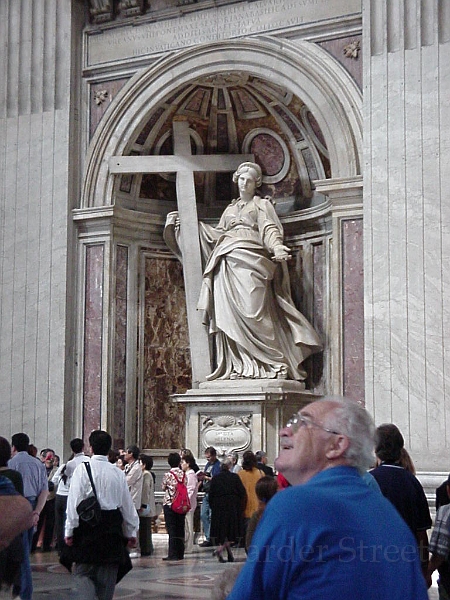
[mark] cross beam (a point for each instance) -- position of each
(171, 164)
(184, 164)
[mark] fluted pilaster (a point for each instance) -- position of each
(407, 218)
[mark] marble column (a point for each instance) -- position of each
(38, 174)
(406, 223)
(107, 331)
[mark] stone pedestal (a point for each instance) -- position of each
(240, 414)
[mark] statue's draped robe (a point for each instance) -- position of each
(246, 297)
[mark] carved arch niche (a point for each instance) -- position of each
(297, 110)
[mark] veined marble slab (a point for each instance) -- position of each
(210, 25)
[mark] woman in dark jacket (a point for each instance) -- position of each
(227, 497)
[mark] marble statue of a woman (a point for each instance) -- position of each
(245, 295)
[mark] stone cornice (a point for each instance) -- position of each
(105, 219)
(343, 192)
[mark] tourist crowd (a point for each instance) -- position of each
(343, 515)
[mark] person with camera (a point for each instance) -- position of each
(98, 549)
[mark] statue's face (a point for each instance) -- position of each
(247, 182)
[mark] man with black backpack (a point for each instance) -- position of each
(99, 552)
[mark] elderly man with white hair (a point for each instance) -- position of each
(330, 535)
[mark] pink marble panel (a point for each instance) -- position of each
(353, 308)
(145, 132)
(120, 346)
(102, 94)
(317, 317)
(166, 354)
(223, 141)
(93, 326)
(194, 103)
(339, 48)
(221, 104)
(307, 284)
(268, 153)
(248, 103)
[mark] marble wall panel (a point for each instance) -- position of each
(36, 296)
(35, 55)
(353, 308)
(176, 29)
(120, 346)
(93, 324)
(101, 96)
(318, 314)
(307, 284)
(348, 51)
(406, 219)
(166, 355)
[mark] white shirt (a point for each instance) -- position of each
(148, 495)
(62, 488)
(133, 474)
(73, 463)
(112, 492)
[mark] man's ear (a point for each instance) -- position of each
(337, 447)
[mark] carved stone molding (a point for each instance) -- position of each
(226, 432)
(100, 96)
(352, 50)
(104, 11)
(101, 11)
(131, 8)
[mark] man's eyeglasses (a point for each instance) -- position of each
(297, 421)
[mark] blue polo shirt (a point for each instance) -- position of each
(33, 471)
(332, 537)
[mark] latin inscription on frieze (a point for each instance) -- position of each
(226, 22)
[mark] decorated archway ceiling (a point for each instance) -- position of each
(233, 113)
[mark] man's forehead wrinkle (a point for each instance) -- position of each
(313, 411)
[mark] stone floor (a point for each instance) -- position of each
(151, 578)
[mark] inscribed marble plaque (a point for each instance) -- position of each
(210, 25)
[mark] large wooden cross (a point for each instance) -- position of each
(184, 164)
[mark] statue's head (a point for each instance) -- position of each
(252, 169)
